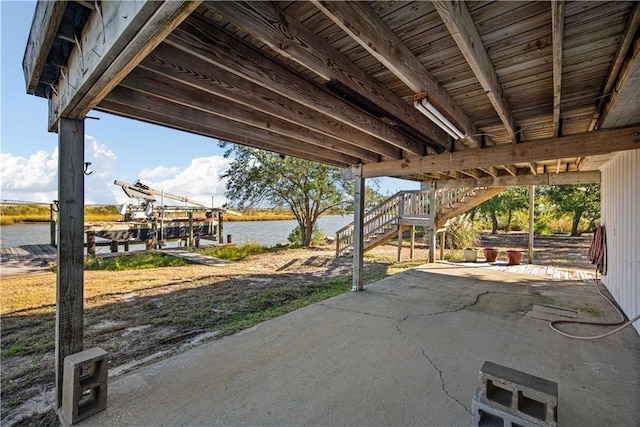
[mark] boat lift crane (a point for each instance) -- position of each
(139, 190)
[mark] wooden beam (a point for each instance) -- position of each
(533, 166)
(528, 179)
(470, 172)
(46, 20)
(156, 85)
(270, 24)
(490, 170)
(358, 231)
(70, 268)
(513, 171)
(122, 101)
(202, 75)
(364, 26)
(621, 53)
(585, 144)
(117, 36)
(623, 106)
(458, 20)
(210, 43)
(557, 28)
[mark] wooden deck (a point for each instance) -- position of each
(27, 259)
(37, 259)
(549, 272)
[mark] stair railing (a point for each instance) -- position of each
(383, 216)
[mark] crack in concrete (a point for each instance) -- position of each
(357, 311)
(424, 352)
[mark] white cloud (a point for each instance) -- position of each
(158, 172)
(31, 179)
(35, 178)
(199, 181)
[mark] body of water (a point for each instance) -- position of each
(268, 233)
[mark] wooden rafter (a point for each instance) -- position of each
(164, 88)
(44, 27)
(512, 170)
(627, 39)
(166, 113)
(557, 25)
(200, 39)
(267, 22)
(589, 143)
(363, 25)
(212, 80)
(527, 179)
(460, 24)
(99, 63)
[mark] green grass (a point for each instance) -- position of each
(133, 262)
(235, 253)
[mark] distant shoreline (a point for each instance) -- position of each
(34, 214)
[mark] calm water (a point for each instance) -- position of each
(264, 232)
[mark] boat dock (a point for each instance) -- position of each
(27, 259)
(38, 259)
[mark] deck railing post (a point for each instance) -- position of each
(70, 277)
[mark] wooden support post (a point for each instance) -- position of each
(70, 275)
(220, 233)
(91, 243)
(358, 237)
(432, 223)
(52, 224)
(190, 239)
(532, 198)
(413, 242)
(400, 230)
(443, 236)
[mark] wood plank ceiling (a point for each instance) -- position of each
(335, 81)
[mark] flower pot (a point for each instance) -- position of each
(490, 254)
(514, 257)
(470, 254)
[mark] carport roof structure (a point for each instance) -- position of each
(533, 89)
(457, 94)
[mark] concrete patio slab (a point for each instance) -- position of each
(407, 351)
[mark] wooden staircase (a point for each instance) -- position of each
(407, 209)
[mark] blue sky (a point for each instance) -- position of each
(118, 148)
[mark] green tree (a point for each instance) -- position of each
(578, 200)
(308, 189)
(508, 202)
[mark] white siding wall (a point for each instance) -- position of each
(621, 217)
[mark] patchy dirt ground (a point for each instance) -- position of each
(140, 316)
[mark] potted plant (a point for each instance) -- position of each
(490, 254)
(514, 256)
(470, 254)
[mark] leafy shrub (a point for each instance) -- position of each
(460, 234)
(295, 237)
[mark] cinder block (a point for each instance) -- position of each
(487, 415)
(524, 396)
(84, 385)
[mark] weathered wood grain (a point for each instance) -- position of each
(585, 144)
(285, 35)
(223, 50)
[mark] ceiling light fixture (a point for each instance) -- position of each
(432, 113)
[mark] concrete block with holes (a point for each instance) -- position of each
(512, 398)
(84, 385)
